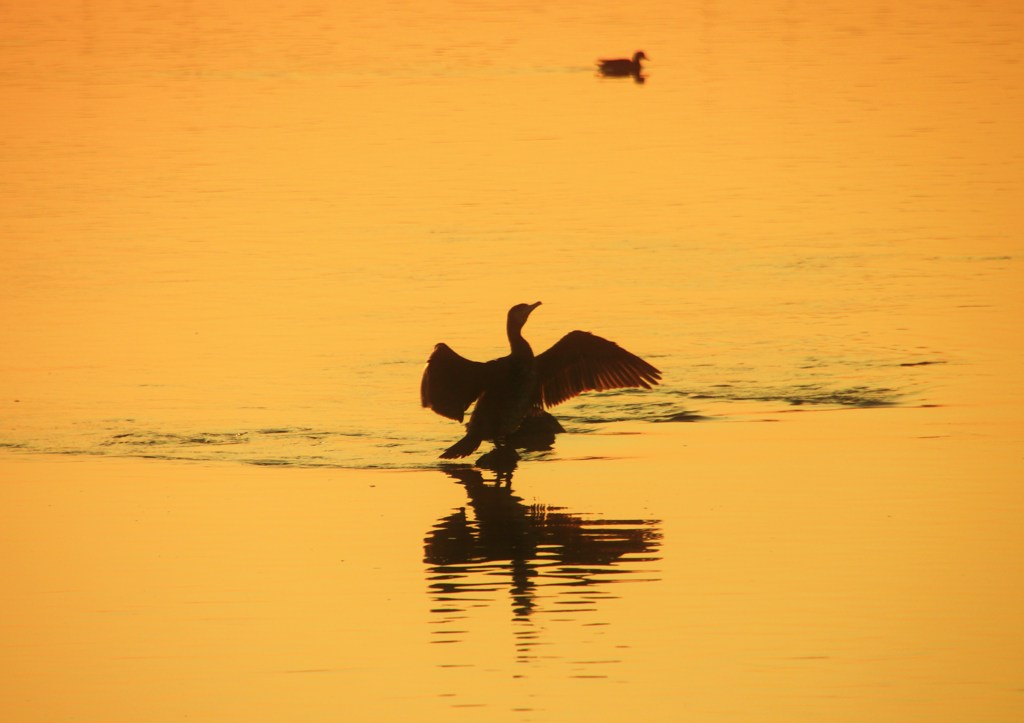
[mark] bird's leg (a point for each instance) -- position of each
(502, 458)
(505, 450)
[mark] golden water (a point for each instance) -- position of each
(232, 234)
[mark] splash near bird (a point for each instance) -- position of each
(518, 387)
(621, 67)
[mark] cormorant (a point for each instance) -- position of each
(621, 67)
(519, 386)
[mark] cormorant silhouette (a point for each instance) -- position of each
(517, 387)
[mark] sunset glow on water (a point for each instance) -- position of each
(232, 235)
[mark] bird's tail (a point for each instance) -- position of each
(465, 446)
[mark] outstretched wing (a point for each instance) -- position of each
(582, 362)
(451, 382)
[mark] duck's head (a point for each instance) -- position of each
(638, 56)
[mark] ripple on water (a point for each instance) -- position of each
(406, 441)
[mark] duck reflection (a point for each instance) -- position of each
(549, 560)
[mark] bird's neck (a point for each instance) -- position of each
(520, 347)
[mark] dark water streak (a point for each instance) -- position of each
(417, 438)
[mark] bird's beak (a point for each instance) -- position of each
(534, 305)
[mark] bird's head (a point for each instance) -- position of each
(638, 56)
(519, 313)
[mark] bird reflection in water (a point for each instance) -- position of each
(548, 559)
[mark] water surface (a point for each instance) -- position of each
(237, 236)
(234, 237)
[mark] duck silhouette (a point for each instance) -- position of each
(622, 67)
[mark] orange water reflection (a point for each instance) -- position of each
(232, 233)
